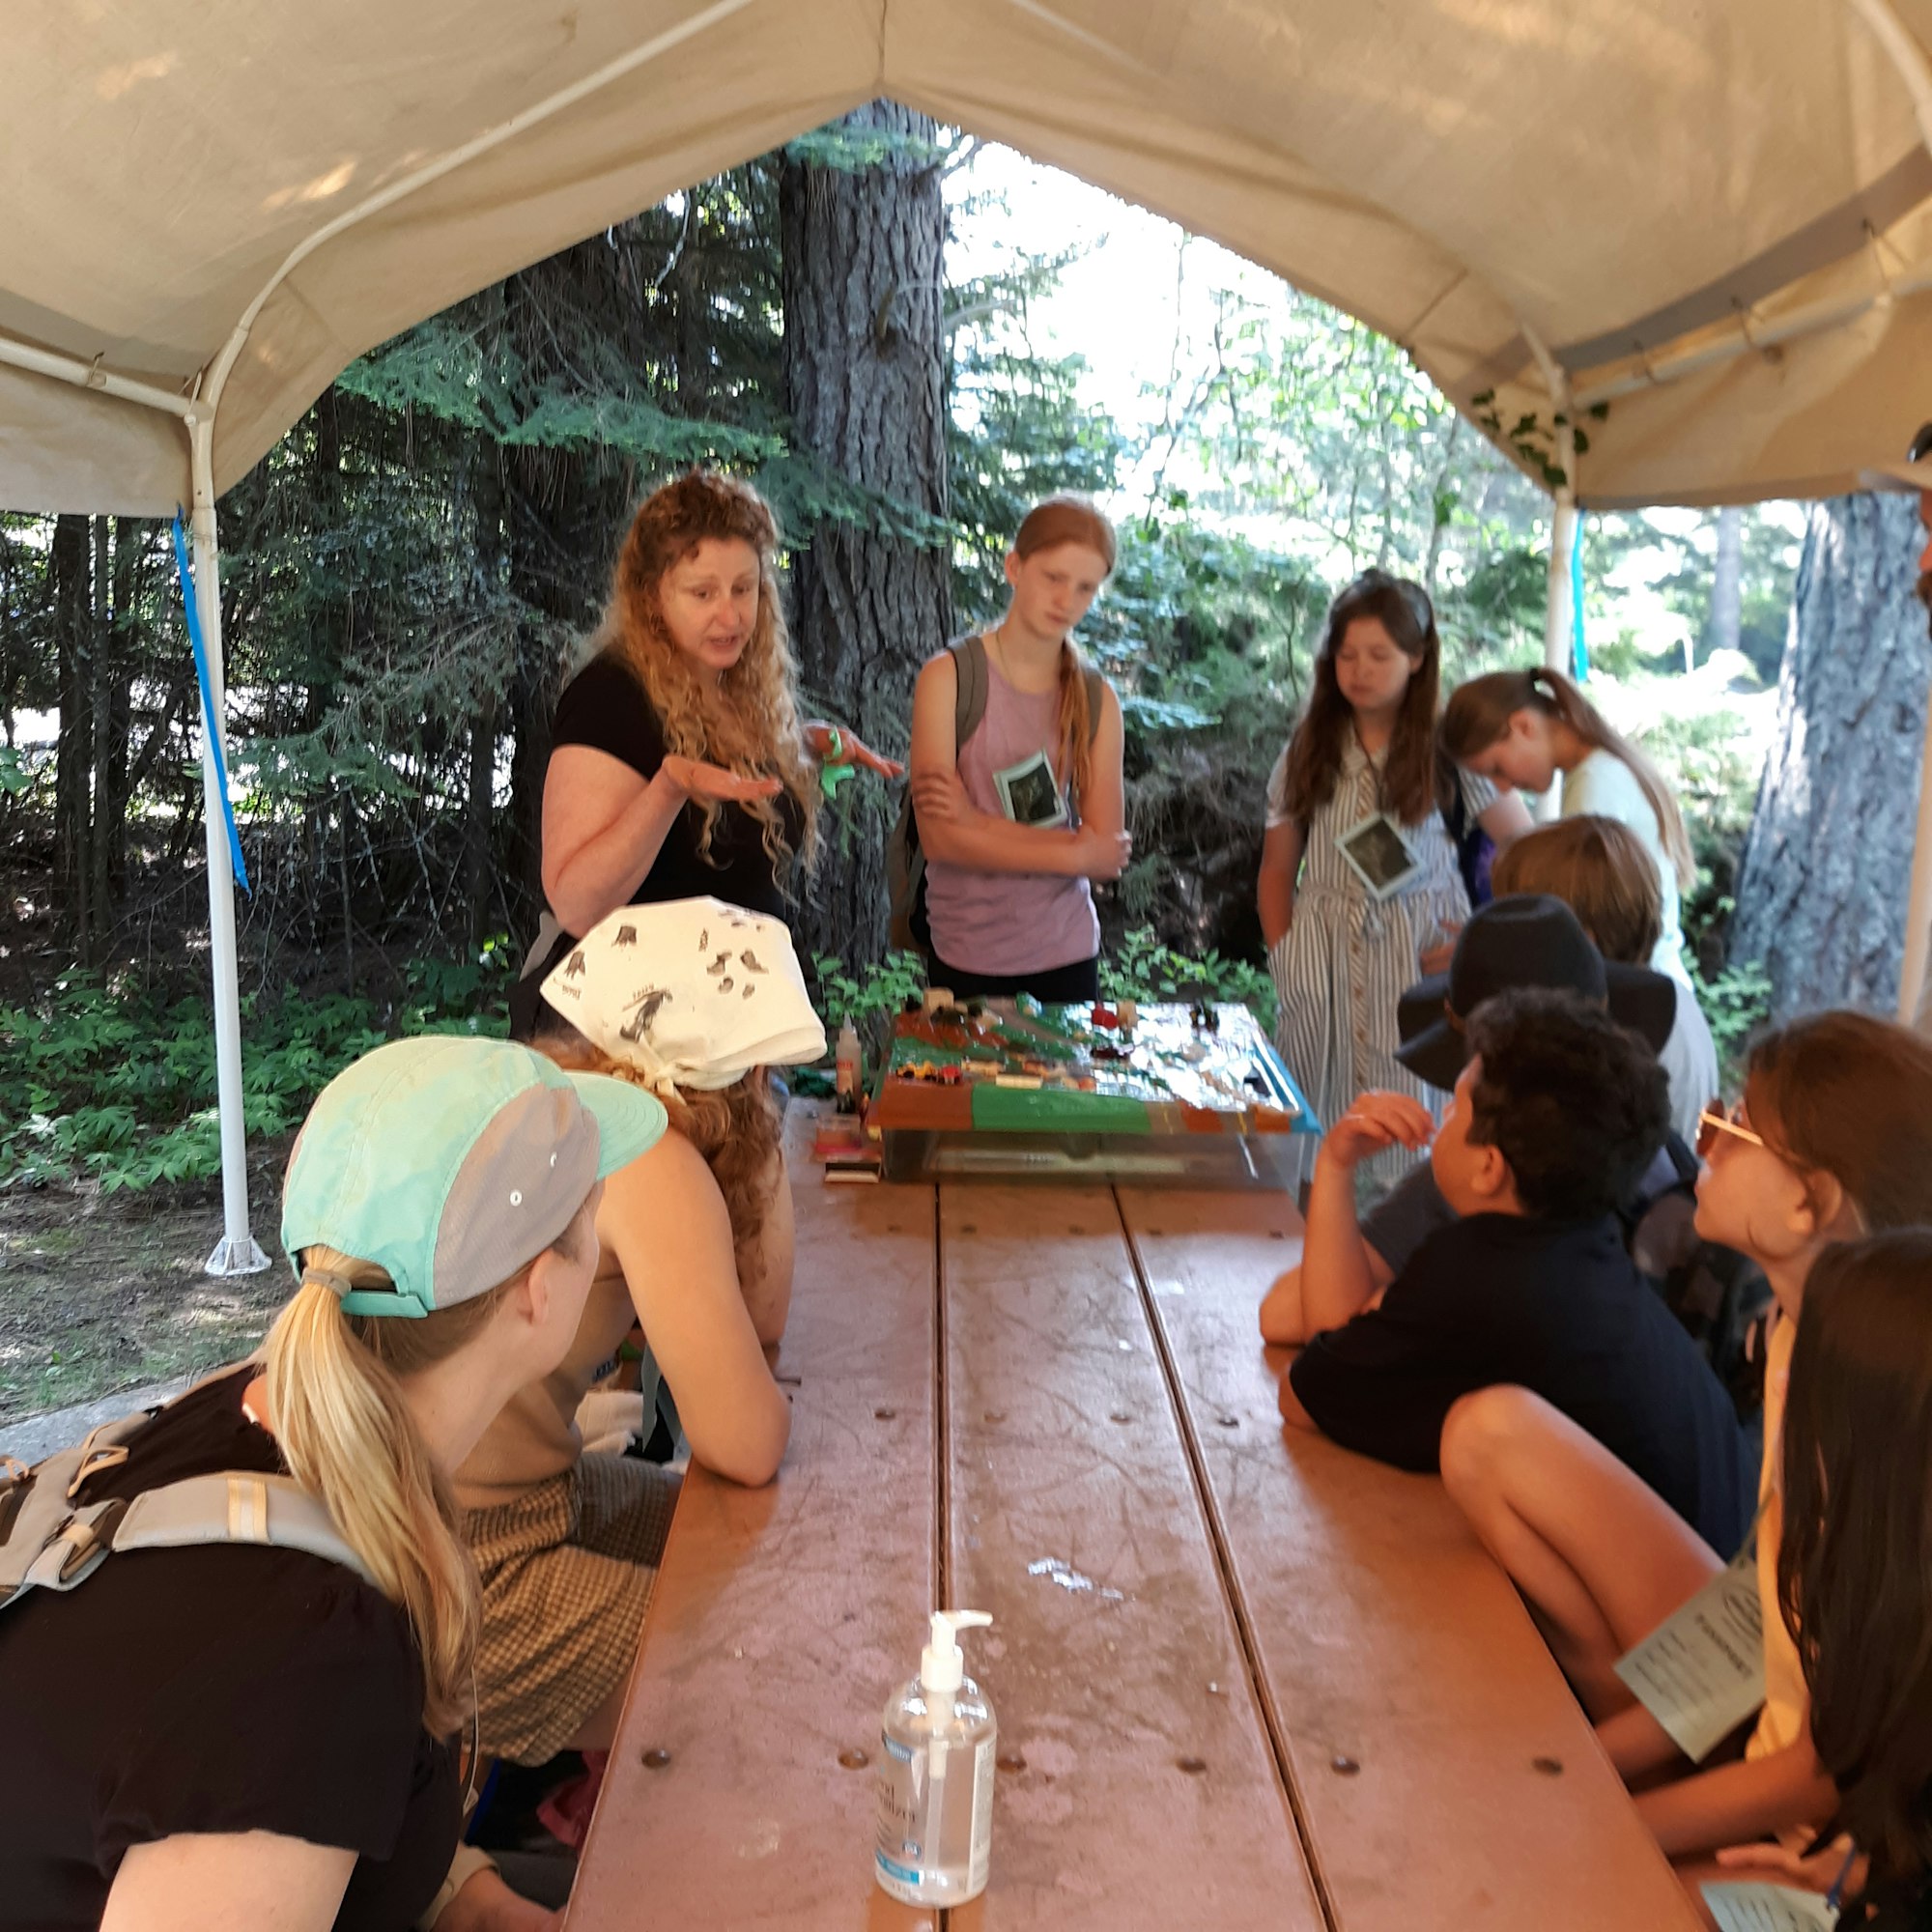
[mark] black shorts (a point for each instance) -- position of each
(1054, 986)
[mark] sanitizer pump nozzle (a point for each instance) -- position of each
(941, 1666)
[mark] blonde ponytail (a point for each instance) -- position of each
(347, 1434)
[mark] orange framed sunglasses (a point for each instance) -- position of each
(1717, 1118)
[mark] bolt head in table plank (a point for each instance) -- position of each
(1140, 1788)
(1389, 1641)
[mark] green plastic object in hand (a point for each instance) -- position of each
(833, 769)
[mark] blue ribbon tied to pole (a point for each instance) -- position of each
(209, 722)
(1579, 646)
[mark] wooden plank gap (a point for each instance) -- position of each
(1231, 1582)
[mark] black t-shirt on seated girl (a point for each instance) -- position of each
(605, 707)
(218, 1689)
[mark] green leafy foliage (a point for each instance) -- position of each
(115, 1085)
(1143, 969)
(1737, 1003)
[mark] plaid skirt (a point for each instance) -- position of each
(567, 1573)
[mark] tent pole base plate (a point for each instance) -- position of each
(236, 1257)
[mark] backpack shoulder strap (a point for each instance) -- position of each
(969, 664)
(1097, 702)
(50, 1540)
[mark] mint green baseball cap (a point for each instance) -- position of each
(451, 1162)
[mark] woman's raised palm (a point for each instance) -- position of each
(713, 785)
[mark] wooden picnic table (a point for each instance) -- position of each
(1243, 1679)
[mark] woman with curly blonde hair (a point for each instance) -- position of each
(680, 767)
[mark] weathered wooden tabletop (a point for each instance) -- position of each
(1243, 1679)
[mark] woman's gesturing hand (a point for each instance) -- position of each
(713, 785)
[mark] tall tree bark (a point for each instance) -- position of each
(100, 739)
(864, 382)
(121, 700)
(72, 761)
(1821, 891)
(1725, 622)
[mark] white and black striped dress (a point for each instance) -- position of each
(1346, 959)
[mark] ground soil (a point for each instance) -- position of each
(105, 1291)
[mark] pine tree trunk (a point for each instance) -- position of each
(72, 762)
(1821, 892)
(121, 703)
(1726, 619)
(864, 369)
(100, 737)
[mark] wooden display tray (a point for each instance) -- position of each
(1196, 1095)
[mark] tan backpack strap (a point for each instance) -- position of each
(48, 1543)
(236, 1508)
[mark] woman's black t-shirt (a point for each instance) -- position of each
(218, 1689)
(605, 707)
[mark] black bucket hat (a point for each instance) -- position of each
(1528, 939)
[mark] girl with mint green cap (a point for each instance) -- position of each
(248, 1732)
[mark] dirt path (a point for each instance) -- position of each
(106, 1291)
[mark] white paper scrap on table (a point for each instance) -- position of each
(1769, 1908)
(1700, 1673)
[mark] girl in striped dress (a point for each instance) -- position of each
(1360, 891)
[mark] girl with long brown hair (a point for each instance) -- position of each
(276, 1745)
(1525, 728)
(1831, 1141)
(680, 764)
(1359, 890)
(1855, 1569)
(1017, 819)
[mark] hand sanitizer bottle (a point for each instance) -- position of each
(936, 1777)
(845, 1070)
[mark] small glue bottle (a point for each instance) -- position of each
(845, 1069)
(936, 1777)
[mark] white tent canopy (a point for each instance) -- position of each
(1717, 220)
(1719, 217)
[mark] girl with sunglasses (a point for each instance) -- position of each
(1831, 1141)
(1359, 891)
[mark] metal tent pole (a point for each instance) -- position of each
(236, 1252)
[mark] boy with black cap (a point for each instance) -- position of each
(1525, 940)
(1556, 1113)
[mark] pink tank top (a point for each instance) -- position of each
(1011, 922)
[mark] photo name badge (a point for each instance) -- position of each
(1767, 1908)
(1029, 793)
(1700, 1673)
(1379, 855)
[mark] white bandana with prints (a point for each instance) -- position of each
(692, 993)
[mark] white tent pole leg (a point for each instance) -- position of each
(1914, 989)
(236, 1252)
(1559, 616)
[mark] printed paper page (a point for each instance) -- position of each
(1700, 1674)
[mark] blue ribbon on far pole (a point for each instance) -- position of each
(1580, 648)
(209, 722)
